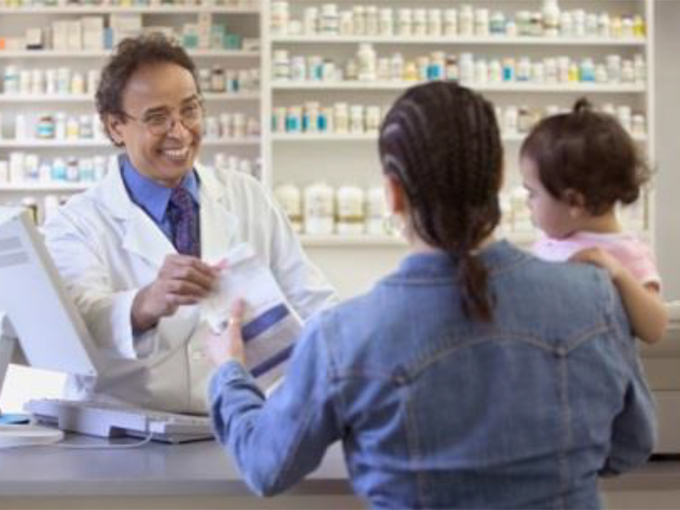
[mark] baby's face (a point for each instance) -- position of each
(549, 214)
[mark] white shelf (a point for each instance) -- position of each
(73, 54)
(366, 240)
(42, 186)
(367, 137)
(33, 144)
(86, 98)
(336, 240)
(323, 137)
(501, 87)
(92, 9)
(491, 40)
(232, 142)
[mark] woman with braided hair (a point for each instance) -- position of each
(475, 375)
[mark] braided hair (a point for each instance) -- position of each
(441, 142)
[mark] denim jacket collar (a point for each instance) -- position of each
(497, 257)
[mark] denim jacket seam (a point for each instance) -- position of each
(337, 398)
(412, 440)
(585, 336)
(567, 436)
(295, 447)
(525, 338)
(305, 419)
(364, 374)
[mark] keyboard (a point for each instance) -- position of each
(112, 420)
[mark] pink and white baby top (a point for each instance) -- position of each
(627, 249)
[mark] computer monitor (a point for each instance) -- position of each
(38, 321)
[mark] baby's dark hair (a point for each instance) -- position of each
(588, 152)
(442, 143)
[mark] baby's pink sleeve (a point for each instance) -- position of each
(643, 267)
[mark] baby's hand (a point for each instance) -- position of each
(600, 258)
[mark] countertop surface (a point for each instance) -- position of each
(200, 468)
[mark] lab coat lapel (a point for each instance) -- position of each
(219, 227)
(140, 235)
(145, 239)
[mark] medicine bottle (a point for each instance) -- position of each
(450, 22)
(435, 27)
(405, 23)
(11, 80)
(45, 127)
(375, 211)
(357, 123)
(341, 118)
(218, 82)
(289, 197)
(466, 21)
(551, 18)
(373, 119)
(280, 16)
(350, 212)
(318, 209)
(372, 20)
(329, 23)
(366, 57)
(386, 23)
(419, 22)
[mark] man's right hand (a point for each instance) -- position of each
(182, 280)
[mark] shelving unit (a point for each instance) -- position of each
(98, 54)
(359, 165)
(103, 143)
(338, 159)
(243, 19)
(302, 158)
(373, 138)
(110, 9)
(580, 88)
(477, 41)
(87, 98)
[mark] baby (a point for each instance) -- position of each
(576, 168)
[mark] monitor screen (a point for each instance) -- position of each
(35, 303)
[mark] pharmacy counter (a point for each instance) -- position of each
(200, 475)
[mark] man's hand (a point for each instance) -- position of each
(182, 280)
(228, 345)
(601, 258)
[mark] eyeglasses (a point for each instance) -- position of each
(161, 123)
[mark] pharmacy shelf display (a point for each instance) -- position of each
(296, 90)
(51, 141)
(337, 67)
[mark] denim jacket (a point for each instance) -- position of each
(437, 411)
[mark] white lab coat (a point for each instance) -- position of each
(107, 248)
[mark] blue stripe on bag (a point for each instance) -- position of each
(264, 322)
(266, 366)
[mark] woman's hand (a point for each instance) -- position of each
(228, 345)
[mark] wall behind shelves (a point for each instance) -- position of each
(667, 178)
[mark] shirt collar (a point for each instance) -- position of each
(150, 195)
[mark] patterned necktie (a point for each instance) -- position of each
(184, 221)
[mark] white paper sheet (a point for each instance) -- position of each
(270, 325)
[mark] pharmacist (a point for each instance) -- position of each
(131, 249)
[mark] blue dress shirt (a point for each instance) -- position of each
(154, 198)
